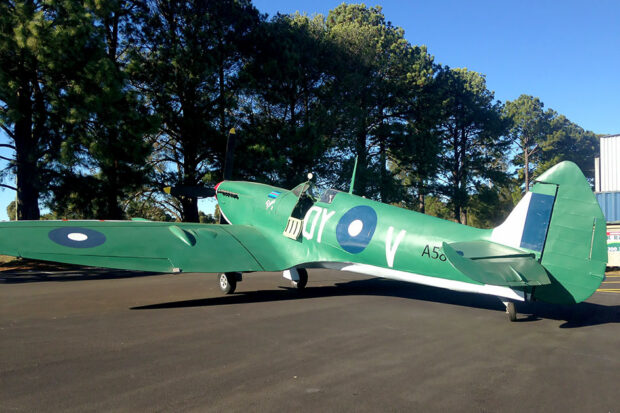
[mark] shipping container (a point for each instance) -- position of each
(610, 204)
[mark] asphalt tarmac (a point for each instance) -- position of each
(93, 340)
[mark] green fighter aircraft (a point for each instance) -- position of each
(552, 247)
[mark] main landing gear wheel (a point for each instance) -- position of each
(303, 279)
(511, 311)
(228, 282)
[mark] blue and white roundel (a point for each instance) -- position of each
(356, 228)
(76, 237)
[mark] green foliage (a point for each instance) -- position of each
(47, 51)
(435, 207)
(147, 209)
(490, 206)
(287, 124)
(530, 125)
(107, 101)
(206, 218)
(380, 79)
(543, 138)
(67, 108)
(472, 143)
(186, 63)
(568, 141)
(10, 211)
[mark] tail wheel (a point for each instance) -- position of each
(228, 282)
(303, 279)
(511, 310)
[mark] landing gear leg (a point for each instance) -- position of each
(227, 281)
(511, 310)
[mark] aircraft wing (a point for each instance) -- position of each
(142, 245)
(496, 264)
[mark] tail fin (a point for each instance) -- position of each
(562, 223)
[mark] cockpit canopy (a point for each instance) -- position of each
(316, 193)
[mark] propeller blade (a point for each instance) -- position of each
(190, 191)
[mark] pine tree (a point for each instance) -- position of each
(45, 49)
(186, 65)
(473, 146)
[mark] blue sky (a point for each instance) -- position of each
(567, 53)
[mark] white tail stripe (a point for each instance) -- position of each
(510, 231)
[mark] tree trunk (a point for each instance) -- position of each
(190, 209)
(229, 159)
(456, 179)
(111, 209)
(230, 140)
(461, 181)
(526, 159)
(383, 161)
(190, 166)
(27, 194)
(362, 164)
(457, 212)
(26, 158)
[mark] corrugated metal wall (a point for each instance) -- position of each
(610, 164)
(610, 204)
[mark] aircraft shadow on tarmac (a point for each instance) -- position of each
(77, 274)
(578, 315)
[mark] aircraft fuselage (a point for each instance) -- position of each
(352, 233)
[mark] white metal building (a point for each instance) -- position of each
(607, 187)
(607, 166)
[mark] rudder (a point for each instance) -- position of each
(561, 221)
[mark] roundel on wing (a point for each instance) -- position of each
(76, 237)
(356, 228)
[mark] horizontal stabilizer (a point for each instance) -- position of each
(496, 264)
